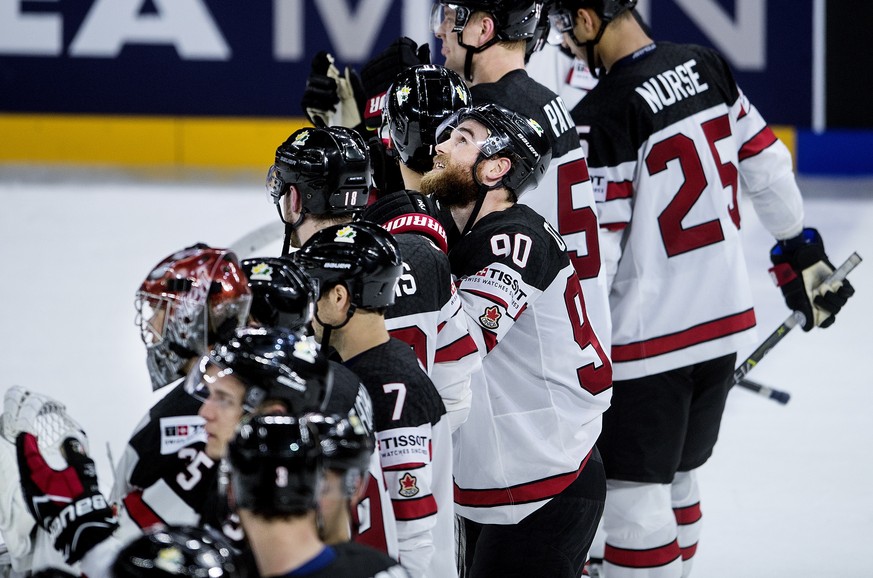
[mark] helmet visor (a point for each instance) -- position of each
(447, 17)
(560, 22)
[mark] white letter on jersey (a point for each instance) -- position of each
(185, 24)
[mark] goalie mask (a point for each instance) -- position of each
(276, 465)
(188, 301)
(283, 295)
(167, 552)
(420, 98)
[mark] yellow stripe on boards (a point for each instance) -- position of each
(137, 141)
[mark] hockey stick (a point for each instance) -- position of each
(796, 318)
(257, 239)
(774, 394)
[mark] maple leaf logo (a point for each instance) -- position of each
(407, 485)
(490, 319)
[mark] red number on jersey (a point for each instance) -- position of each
(678, 239)
(594, 377)
(415, 338)
(572, 220)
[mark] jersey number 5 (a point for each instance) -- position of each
(678, 239)
(582, 220)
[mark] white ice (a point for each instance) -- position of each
(788, 492)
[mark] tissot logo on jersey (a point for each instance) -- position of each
(405, 445)
(501, 285)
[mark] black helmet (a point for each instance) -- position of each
(605, 9)
(276, 465)
(513, 19)
(273, 364)
(165, 552)
(345, 442)
(362, 256)
(330, 166)
(283, 295)
(420, 98)
(520, 138)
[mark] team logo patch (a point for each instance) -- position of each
(536, 126)
(261, 272)
(461, 94)
(403, 94)
(300, 139)
(407, 485)
(170, 560)
(305, 350)
(490, 318)
(345, 235)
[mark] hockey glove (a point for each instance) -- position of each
(800, 265)
(378, 74)
(66, 503)
(320, 95)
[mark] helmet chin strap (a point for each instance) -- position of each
(589, 47)
(471, 51)
(328, 328)
(483, 191)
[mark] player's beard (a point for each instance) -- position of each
(452, 186)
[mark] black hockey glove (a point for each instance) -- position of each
(67, 503)
(799, 267)
(320, 96)
(378, 74)
(385, 167)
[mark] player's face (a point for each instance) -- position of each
(222, 410)
(443, 20)
(451, 180)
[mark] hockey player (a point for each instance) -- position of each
(312, 195)
(358, 267)
(672, 142)
(486, 42)
(276, 464)
(528, 478)
(427, 313)
(186, 303)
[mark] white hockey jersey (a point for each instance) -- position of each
(671, 144)
(564, 197)
(546, 381)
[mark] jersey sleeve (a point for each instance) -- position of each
(406, 460)
(498, 293)
(767, 172)
(455, 361)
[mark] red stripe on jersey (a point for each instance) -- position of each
(405, 510)
(693, 336)
(622, 190)
(406, 466)
(743, 112)
(521, 494)
(440, 326)
(140, 512)
(614, 226)
(520, 311)
(374, 534)
(457, 349)
(688, 514)
(490, 340)
(489, 297)
(757, 143)
(651, 558)
(689, 551)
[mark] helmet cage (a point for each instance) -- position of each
(187, 301)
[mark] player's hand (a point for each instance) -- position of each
(800, 266)
(66, 503)
(378, 74)
(320, 97)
